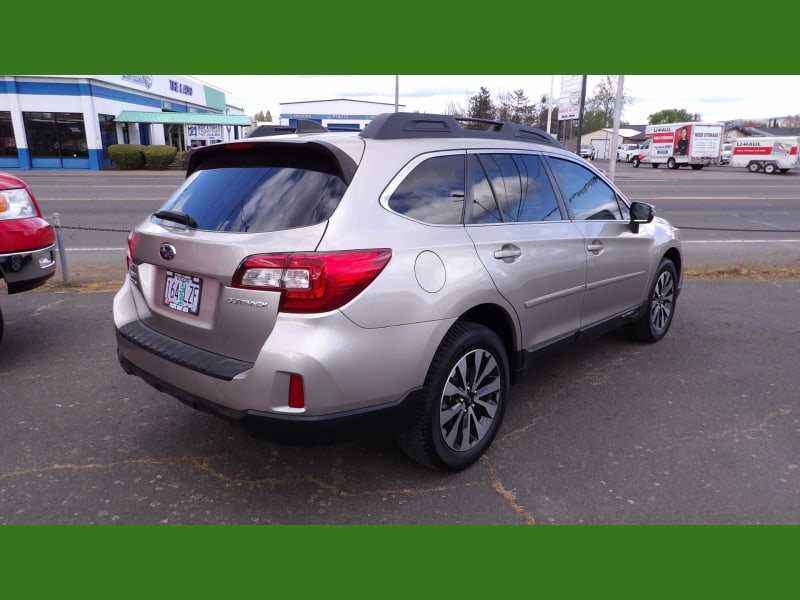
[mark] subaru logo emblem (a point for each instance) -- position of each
(167, 251)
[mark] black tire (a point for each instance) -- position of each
(455, 422)
(671, 164)
(753, 167)
(770, 168)
(697, 167)
(636, 162)
(656, 317)
(1, 325)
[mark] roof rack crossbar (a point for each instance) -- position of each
(405, 125)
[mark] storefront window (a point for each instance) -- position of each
(56, 135)
(108, 132)
(8, 143)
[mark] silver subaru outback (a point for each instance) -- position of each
(319, 286)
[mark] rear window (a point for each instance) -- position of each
(257, 199)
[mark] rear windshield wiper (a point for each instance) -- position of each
(177, 217)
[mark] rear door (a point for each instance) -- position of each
(534, 255)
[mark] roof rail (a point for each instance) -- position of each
(404, 125)
(302, 126)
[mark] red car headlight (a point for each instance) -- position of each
(16, 204)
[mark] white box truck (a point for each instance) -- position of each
(677, 145)
(768, 154)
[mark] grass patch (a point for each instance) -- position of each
(743, 272)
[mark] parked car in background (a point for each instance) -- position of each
(587, 151)
(725, 155)
(320, 286)
(27, 240)
(626, 152)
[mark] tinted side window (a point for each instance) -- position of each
(520, 185)
(588, 195)
(257, 199)
(433, 192)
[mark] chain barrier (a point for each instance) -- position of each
(77, 227)
(65, 273)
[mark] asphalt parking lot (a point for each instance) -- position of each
(701, 428)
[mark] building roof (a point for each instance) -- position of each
(144, 116)
(626, 133)
(340, 100)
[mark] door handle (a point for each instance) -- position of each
(596, 247)
(508, 253)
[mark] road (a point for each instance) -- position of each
(728, 217)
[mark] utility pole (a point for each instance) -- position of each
(550, 104)
(612, 169)
(580, 115)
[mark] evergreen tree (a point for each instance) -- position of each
(522, 111)
(481, 106)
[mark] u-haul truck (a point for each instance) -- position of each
(768, 154)
(676, 145)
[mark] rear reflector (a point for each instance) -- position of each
(297, 398)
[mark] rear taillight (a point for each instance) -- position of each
(133, 241)
(313, 281)
(129, 254)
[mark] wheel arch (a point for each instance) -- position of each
(500, 322)
(674, 255)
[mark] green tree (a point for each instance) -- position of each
(540, 110)
(268, 117)
(522, 111)
(481, 106)
(599, 110)
(593, 120)
(506, 106)
(672, 115)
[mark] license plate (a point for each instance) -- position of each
(182, 292)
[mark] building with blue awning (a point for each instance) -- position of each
(69, 121)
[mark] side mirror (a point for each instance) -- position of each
(641, 212)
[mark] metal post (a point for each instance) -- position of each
(612, 165)
(580, 115)
(62, 256)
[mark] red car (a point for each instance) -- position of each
(27, 241)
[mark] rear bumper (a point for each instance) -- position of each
(301, 430)
(24, 271)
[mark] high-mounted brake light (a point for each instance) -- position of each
(312, 282)
(241, 146)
